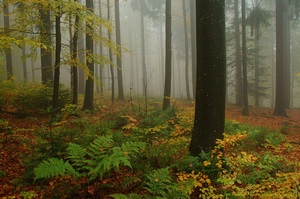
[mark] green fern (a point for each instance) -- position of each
(54, 167)
(129, 196)
(98, 159)
(76, 154)
(130, 181)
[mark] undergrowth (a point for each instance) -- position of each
(123, 154)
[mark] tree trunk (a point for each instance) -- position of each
(193, 45)
(8, 55)
(211, 76)
(46, 54)
(187, 85)
(74, 55)
(101, 53)
(281, 19)
(57, 62)
(239, 75)
(89, 85)
(167, 90)
(145, 75)
(119, 57)
(245, 110)
(111, 59)
(257, 89)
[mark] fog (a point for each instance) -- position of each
(154, 40)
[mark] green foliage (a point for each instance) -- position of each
(54, 167)
(27, 98)
(28, 194)
(161, 185)
(256, 136)
(129, 196)
(98, 159)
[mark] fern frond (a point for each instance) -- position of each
(54, 167)
(110, 162)
(130, 181)
(123, 196)
(76, 154)
(100, 146)
(136, 147)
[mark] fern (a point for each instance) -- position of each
(130, 181)
(98, 159)
(76, 154)
(129, 196)
(54, 167)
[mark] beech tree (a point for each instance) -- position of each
(281, 39)
(168, 61)
(211, 76)
(89, 85)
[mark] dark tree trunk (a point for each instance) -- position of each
(74, 55)
(167, 90)
(89, 84)
(238, 60)
(187, 85)
(193, 45)
(211, 76)
(287, 67)
(119, 57)
(101, 53)
(111, 59)
(8, 55)
(257, 89)
(57, 62)
(245, 110)
(81, 47)
(281, 19)
(46, 54)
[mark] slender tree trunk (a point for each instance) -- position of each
(257, 89)
(89, 84)
(145, 75)
(24, 63)
(119, 57)
(187, 85)
(101, 53)
(239, 75)
(74, 55)
(245, 110)
(193, 45)
(57, 62)
(81, 48)
(281, 19)
(287, 67)
(211, 76)
(46, 54)
(8, 55)
(111, 59)
(168, 78)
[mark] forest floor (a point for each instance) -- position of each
(11, 146)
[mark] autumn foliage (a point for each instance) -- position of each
(121, 151)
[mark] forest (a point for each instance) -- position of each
(154, 99)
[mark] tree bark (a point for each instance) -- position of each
(89, 85)
(8, 55)
(211, 76)
(168, 66)
(238, 60)
(57, 62)
(46, 54)
(245, 110)
(119, 57)
(281, 18)
(187, 85)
